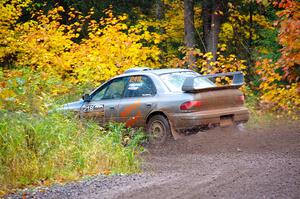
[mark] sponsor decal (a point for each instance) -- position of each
(128, 110)
(135, 86)
(136, 79)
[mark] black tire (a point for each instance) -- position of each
(159, 130)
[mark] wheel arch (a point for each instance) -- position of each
(157, 113)
(174, 133)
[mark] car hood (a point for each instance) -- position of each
(72, 106)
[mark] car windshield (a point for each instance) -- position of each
(174, 81)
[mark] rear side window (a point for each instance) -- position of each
(174, 81)
(140, 86)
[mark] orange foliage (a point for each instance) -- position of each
(289, 38)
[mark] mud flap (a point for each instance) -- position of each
(176, 135)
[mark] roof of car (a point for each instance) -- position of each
(169, 70)
(156, 71)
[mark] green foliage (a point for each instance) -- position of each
(38, 150)
(28, 91)
(237, 32)
(267, 46)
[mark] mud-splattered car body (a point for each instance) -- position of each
(140, 94)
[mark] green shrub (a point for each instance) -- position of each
(37, 149)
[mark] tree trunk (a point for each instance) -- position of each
(159, 9)
(189, 30)
(206, 18)
(211, 25)
(214, 29)
(250, 42)
(250, 22)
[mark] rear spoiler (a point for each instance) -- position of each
(237, 82)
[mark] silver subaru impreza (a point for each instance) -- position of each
(165, 102)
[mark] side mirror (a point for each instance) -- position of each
(86, 98)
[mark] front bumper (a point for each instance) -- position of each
(190, 120)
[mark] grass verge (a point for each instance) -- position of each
(40, 150)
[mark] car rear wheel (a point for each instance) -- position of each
(158, 129)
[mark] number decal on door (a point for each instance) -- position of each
(93, 107)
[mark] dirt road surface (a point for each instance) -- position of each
(249, 163)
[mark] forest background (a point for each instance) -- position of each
(51, 52)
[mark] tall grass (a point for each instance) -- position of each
(36, 149)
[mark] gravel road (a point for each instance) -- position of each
(257, 163)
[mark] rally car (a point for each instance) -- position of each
(165, 102)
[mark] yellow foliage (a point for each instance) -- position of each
(47, 45)
(205, 65)
(236, 25)
(44, 52)
(10, 11)
(110, 51)
(9, 14)
(276, 95)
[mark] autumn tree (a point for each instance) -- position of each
(289, 38)
(279, 81)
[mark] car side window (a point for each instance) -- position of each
(113, 90)
(99, 94)
(140, 86)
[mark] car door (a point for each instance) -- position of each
(138, 101)
(104, 104)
